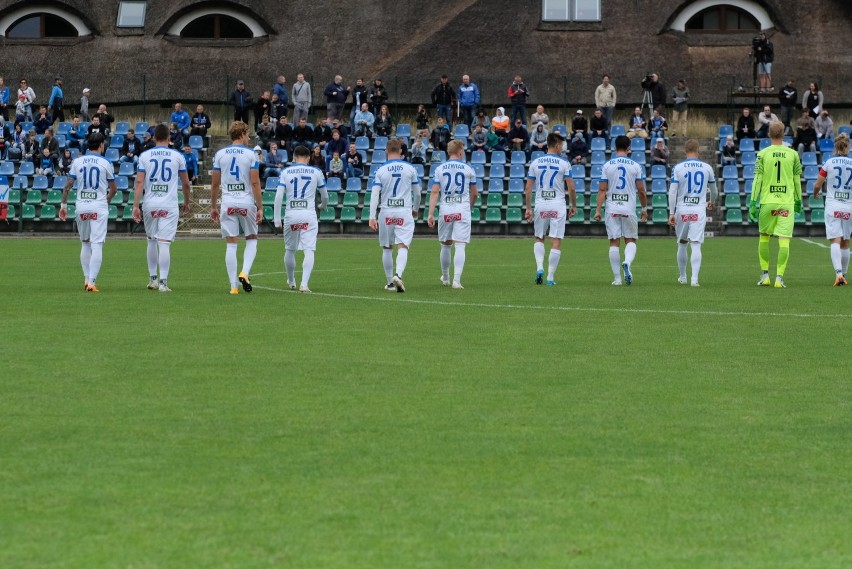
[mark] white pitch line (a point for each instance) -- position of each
(555, 308)
(823, 245)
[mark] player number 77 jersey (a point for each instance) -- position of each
(690, 184)
(549, 173)
(235, 164)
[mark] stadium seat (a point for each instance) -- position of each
(598, 144)
(476, 215)
(63, 128)
(26, 169)
(514, 215)
(495, 185)
(421, 172)
(764, 143)
(362, 143)
(845, 129)
(268, 198)
(477, 157)
(350, 199)
(28, 211)
(113, 213)
(498, 157)
(734, 216)
(816, 203)
(517, 171)
(333, 184)
(495, 199)
(328, 214)
(15, 196)
(439, 156)
(379, 157)
(21, 182)
(799, 217)
(746, 145)
(660, 200)
(748, 158)
(637, 144)
(333, 198)
(347, 214)
(561, 129)
(660, 215)
(581, 200)
(658, 172)
(126, 169)
(353, 184)
(516, 185)
(116, 141)
(121, 128)
(478, 201)
(10, 213)
(497, 171)
(461, 131)
(519, 157)
(732, 200)
(598, 157)
(725, 130)
(40, 183)
(479, 170)
(580, 184)
(638, 157)
(380, 143)
(118, 198)
(271, 184)
(578, 171)
(747, 187)
(579, 216)
(8, 168)
(493, 215)
(365, 214)
(809, 159)
(196, 142)
(748, 171)
(515, 200)
(141, 127)
(54, 197)
(121, 182)
(729, 172)
(817, 216)
(33, 197)
(403, 129)
(659, 187)
(111, 155)
(47, 213)
(826, 145)
(811, 172)
(596, 172)
(536, 154)
(616, 130)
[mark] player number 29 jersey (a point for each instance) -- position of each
(394, 182)
(92, 174)
(162, 168)
(297, 189)
(621, 175)
(689, 186)
(235, 164)
(454, 179)
(837, 171)
(549, 173)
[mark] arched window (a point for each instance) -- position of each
(722, 18)
(216, 26)
(40, 22)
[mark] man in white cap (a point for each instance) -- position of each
(84, 105)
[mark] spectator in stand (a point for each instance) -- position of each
(378, 96)
(824, 126)
(340, 127)
(519, 137)
(364, 121)
(56, 102)
(638, 125)
(518, 94)
(354, 165)
(538, 138)
(175, 137)
(147, 142)
(265, 132)
(336, 144)
(317, 160)
(280, 89)
(729, 151)
(260, 155)
(335, 97)
(21, 109)
(418, 149)
(301, 98)
(580, 124)
(191, 163)
(468, 99)
(76, 137)
(200, 123)
(483, 120)
(764, 55)
(788, 97)
(131, 148)
(806, 119)
(18, 138)
(539, 116)
(322, 133)
(43, 121)
(443, 96)
(605, 98)
(806, 139)
(84, 104)
(46, 165)
(479, 139)
(440, 136)
(263, 106)
(658, 92)
(660, 154)
(421, 119)
(335, 167)
(65, 162)
(50, 143)
(745, 125)
(105, 118)
(403, 145)
(813, 100)
(360, 95)
(4, 144)
(659, 126)
(95, 127)
(275, 161)
(183, 121)
(303, 135)
(29, 98)
(278, 108)
(384, 122)
(680, 98)
(766, 118)
(284, 135)
(242, 101)
(5, 99)
(578, 152)
(31, 147)
(598, 127)
(501, 122)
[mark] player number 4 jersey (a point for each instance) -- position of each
(549, 173)
(454, 179)
(621, 175)
(690, 186)
(162, 168)
(838, 183)
(92, 174)
(235, 164)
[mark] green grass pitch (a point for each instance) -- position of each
(501, 426)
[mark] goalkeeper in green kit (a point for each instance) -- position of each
(775, 194)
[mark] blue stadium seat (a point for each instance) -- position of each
(763, 143)
(725, 130)
(439, 156)
(477, 157)
(121, 182)
(126, 169)
(196, 142)
(519, 157)
(21, 182)
(747, 187)
(746, 145)
(598, 144)
(26, 168)
(638, 157)
(826, 145)
(578, 171)
(403, 129)
(516, 185)
(121, 128)
(659, 186)
(809, 159)
(616, 130)
(461, 131)
(63, 128)
(61, 141)
(580, 184)
(271, 184)
(380, 143)
(495, 185)
(599, 157)
(827, 155)
(811, 172)
(731, 187)
(8, 168)
(536, 154)
(380, 157)
(809, 188)
(353, 184)
(658, 172)
(637, 144)
(141, 127)
(479, 169)
(729, 172)
(497, 171)
(788, 141)
(517, 171)
(748, 157)
(333, 184)
(116, 141)
(561, 129)
(26, 126)
(597, 171)
(40, 183)
(421, 171)
(362, 143)
(498, 157)
(748, 171)
(59, 182)
(111, 154)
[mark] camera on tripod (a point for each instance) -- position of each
(647, 82)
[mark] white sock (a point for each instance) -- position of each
(152, 259)
(249, 254)
(307, 267)
(615, 262)
(387, 263)
(681, 259)
(844, 260)
(401, 260)
(165, 260)
(85, 258)
(553, 262)
(538, 251)
(629, 253)
(445, 261)
(290, 266)
(231, 263)
(458, 262)
(695, 257)
(835, 258)
(95, 261)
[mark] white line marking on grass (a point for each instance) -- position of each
(395, 298)
(823, 245)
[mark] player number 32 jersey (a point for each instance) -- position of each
(837, 171)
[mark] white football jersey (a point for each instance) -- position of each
(549, 173)
(838, 183)
(394, 187)
(92, 174)
(690, 184)
(454, 178)
(235, 164)
(297, 189)
(162, 167)
(621, 174)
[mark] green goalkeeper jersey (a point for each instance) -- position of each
(777, 177)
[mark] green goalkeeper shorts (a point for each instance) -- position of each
(776, 220)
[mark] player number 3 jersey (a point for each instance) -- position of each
(92, 174)
(837, 171)
(621, 175)
(235, 164)
(162, 168)
(454, 179)
(549, 173)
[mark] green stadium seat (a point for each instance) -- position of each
(333, 199)
(268, 198)
(493, 215)
(475, 215)
(268, 212)
(28, 211)
(660, 215)
(365, 214)
(329, 214)
(514, 215)
(734, 216)
(817, 215)
(350, 199)
(816, 203)
(659, 200)
(72, 196)
(71, 210)
(494, 200)
(799, 217)
(347, 214)
(478, 201)
(118, 198)
(113, 213)
(33, 197)
(368, 196)
(15, 196)
(10, 213)
(515, 200)
(48, 212)
(580, 216)
(54, 197)
(581, 197)
(733, 201)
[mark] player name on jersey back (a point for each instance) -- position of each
(838, 182)
(548, 173)
(162, 168)
(395, 181)
(454, 179)
(691, 179)
(235, 164)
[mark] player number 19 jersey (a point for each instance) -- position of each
(454, 179)
(837, 171)
(162, 168)
(621, 174)
(549, 173)
(690, 184)
(235, 164)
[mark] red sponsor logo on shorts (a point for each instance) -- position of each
(619, 215)
(689, 217)
(780, 212)
(237, 211)
(87, 216)
(394, 221)
(452, 217)
(549, 214)
(844, 215)
(298, 227)
(164, 213)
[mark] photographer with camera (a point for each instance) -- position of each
(764, 54)
(655, 88)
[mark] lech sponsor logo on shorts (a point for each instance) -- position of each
(87, 196)
(236, 187)
(298, 204)
(298, 227)
(780, 212)
(620, 197)
(548, 194)
(238, 211)
(689, 217)
(452, 217)
(394, 221)
(159, 188)
(396, 202)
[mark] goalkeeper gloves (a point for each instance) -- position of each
(797, 206)
(752, 211)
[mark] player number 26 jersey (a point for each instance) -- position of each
(235, 164)
(838, 183)
(690, 183)
(548, 173)
(454, 179)
(162, 168)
